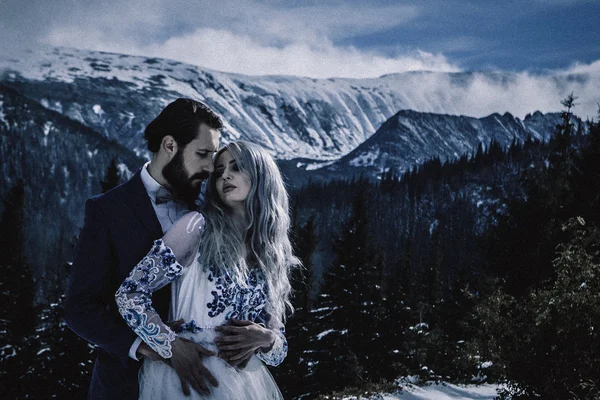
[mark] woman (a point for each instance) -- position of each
(229, 265)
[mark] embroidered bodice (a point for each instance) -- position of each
(203, 297)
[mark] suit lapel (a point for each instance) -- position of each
(142, 206)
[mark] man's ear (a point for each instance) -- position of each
(169, 145)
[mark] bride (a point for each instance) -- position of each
(230, 269)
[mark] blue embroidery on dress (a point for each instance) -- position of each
(247, 303)
(134, 302)
(240, 302)
(190, 326)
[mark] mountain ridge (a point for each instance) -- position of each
(292, 117)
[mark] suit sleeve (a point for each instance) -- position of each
(89, 309)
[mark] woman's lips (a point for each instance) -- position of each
(228, 188)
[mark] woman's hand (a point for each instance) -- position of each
(240, 339)
(145, 351)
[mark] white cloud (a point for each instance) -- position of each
(248, 37)
(517, 93)
(225, 51)
(266, 23)
(579, 68)
(310, 24)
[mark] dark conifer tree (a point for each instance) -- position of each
(350, 303)
(299, 326)
(18, 314)
(17, 285)
(522, 245)
(586, 177)
(112, 178)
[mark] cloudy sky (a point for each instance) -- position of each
(326, 38)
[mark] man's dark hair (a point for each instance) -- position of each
(180, 119)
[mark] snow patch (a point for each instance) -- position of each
(47, 127)
(124, 171)
(433, 226)
(314, 166)
(365, 160)
(420, 327)
(324, 333)
(43, 351)
(130, 117)
(443, 391)
(317, 310)
(329, 331)
(7, 352)
(98, 110)
(2, 115)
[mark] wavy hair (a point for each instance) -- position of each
(264, 242)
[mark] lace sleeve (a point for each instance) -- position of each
(278, 351)
(156, 270)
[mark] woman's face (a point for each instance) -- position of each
(232, 184)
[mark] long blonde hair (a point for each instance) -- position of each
(264, 243)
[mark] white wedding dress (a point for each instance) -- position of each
(205, 299)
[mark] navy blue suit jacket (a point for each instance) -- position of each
(119, 229)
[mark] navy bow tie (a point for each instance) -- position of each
(163, 196)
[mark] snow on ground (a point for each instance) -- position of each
(434, 391)
(444, 391)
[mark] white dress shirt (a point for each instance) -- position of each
(167, 213)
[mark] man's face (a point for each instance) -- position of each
(192, 165)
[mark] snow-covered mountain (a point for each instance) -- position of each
(316, 119)
(409, 138)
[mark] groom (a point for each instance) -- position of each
(119, 229)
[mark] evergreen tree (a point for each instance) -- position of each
(350, 304)
(112, 178)
(306, 243)
(522, 245)
(18, 314)
(586, 180)
(63, 361)
(546, 343)
(16, 285)
(292, 374)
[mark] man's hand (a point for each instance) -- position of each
(240, 339)
(187, 362)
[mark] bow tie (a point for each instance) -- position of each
(163, 196)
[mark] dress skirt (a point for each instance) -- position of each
(158, 381)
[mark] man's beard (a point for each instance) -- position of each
(181, 183)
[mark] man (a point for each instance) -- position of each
(119, 229)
